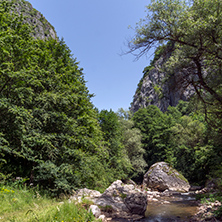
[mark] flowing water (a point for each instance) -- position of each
(176, 208)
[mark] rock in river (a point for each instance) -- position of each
(123, 198)
(161, 177)
(119, 200)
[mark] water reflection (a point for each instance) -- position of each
(179, 207)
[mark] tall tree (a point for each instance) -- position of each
(49, 131)
(195, 29)
(131, 140)
(189, 150)
(154, 126)
(118, 161)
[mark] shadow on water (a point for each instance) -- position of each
(178, 207)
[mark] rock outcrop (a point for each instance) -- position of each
(124, 199)
(162, 177)
(159, 88)
(119, 200)
(95, 210)
(42, 29)
(79, 194)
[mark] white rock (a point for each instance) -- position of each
(95, 210)
(166, 202)
(102, 217)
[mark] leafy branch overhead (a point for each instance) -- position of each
(195, 29)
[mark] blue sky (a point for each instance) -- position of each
(96, 31)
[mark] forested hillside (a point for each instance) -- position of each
(51, 135)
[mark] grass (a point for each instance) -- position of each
(27, 205)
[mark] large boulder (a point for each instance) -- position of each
(161, 177)
(119, 200)
(123, 199)
(136, 203)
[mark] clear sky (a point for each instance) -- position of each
(96, 31)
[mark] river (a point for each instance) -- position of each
(176, 208)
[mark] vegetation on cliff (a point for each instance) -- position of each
(41, 28)
(194, 27)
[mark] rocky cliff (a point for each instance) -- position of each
(158, 87)
(41, 27)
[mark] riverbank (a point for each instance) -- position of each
(207, 212)
(200, 206)
(22, 204)
(176, 207)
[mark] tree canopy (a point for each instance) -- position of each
(51, 134)
(195, 29)
(49, 130)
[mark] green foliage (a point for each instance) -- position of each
(29, 205)
(187, 136)
(158, 91)
(162, 50)
(194, 29)
(188, 143)
(185, 108)
(191, 154)
(131, 140)
(118, 162)
(190, 133)
(49, 130)
(154, 126)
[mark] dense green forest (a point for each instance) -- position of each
(52, 136)
(188, 136)
(50, 131)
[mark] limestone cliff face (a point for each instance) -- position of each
(41, 27)
(159, 89)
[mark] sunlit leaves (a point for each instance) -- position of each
(131, 139)
(195, 28)
(48, 128)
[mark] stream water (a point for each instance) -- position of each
(176, 208)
